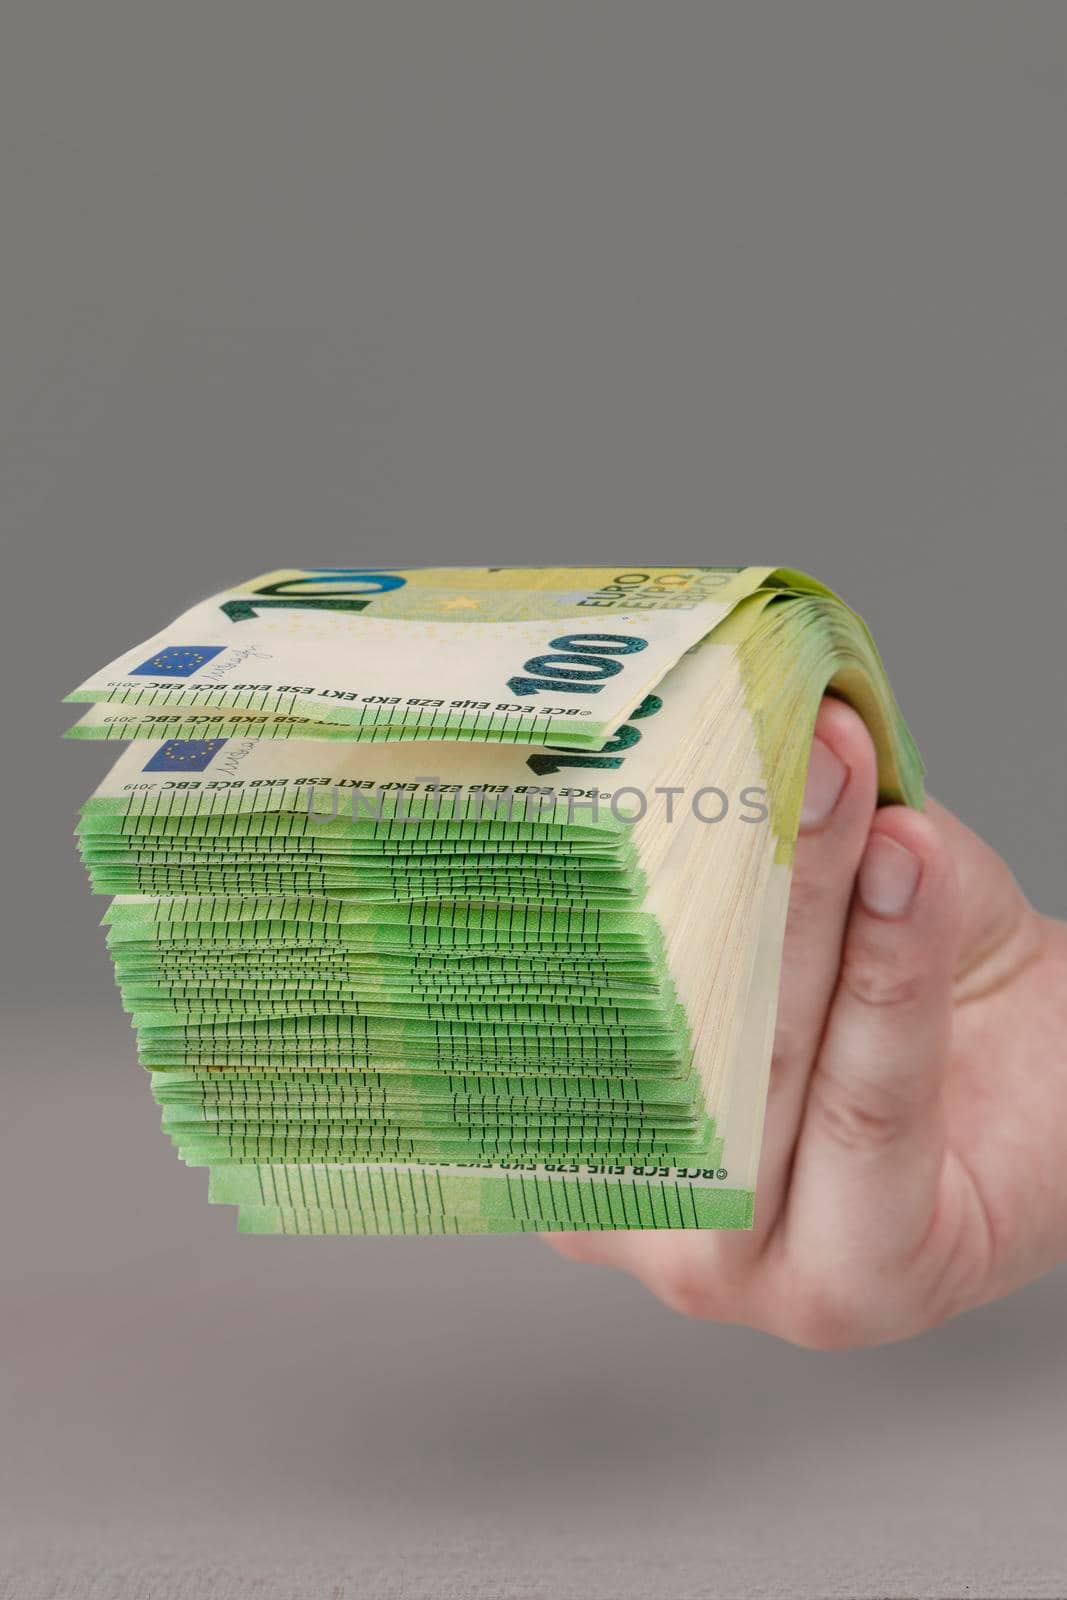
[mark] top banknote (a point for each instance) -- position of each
(514, 655)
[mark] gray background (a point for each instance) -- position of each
(522, 283)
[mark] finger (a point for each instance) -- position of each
(868, 1161)
(1000, 932)
(839, 804)
(682, 1267)
(637, 1251)
(589, 1247)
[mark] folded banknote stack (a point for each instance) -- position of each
(452, 900)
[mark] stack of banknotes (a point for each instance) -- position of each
(452, 900)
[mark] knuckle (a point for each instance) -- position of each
(859, 1116)
(688, 1286)
(875, 981)
(822, 1320)
(575, 1246)
(685, 1293)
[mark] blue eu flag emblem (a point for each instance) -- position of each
(183, 755)
(177, 661)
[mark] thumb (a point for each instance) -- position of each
(869, 1157)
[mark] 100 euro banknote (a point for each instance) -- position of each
(545, 655)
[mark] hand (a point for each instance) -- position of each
(915, 1154)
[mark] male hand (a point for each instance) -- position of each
(915, 1155)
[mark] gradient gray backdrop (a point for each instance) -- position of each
(502, 282)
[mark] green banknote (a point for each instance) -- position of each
(452, 900)
(526, 655)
